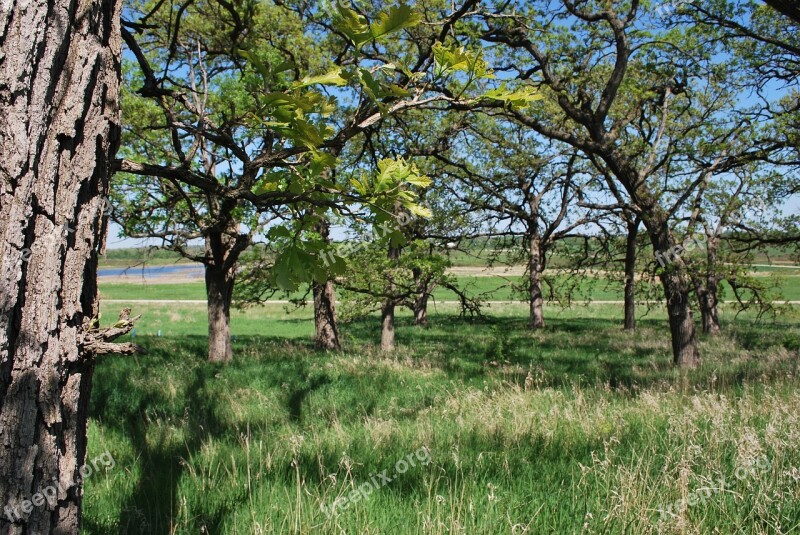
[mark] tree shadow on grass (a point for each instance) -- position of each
(583, 351)
(153, 506)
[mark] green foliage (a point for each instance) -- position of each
(360, 31)
(373, 277)
(520, 98)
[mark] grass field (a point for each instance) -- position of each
(488, 287)
(579, 428)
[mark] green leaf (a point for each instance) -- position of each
(456, 58)
(331, 78)
(353, 25)
(418, 180)
(520, 98)
(279, 232)
(257, 63)
(451, 58)
(283, 66)
(419, 211)
(371, 87)
(397, 18)
(269, 182)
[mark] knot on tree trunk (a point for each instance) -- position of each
(98, 341)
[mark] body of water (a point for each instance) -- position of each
(191, 271)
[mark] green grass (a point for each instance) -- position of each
(153, 291)
(488, 287)
(576, 428)
(133, 256)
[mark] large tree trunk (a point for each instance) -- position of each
(220, 275)
(535, 270)
(327, 333)
(59, 130)
(681, 321)
(630, 275)
(676, 283)
(219, 292)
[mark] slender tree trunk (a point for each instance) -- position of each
(387, 311)
(630, 275)
(220, 275)
(535, 270)
(707, 290)
(421, 301)
(59, 131)
(421, 310)
(387, 326)
(327, 331)
(707, 300)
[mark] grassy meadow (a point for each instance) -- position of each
(579, 428)
(486, 287)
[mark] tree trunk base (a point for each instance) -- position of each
(327, 332)
(387, 328)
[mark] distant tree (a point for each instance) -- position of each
(526, 189)
(383, 277)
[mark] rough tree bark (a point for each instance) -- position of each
(387, 311)
(387, 325)
(630, 275)
(707, 300)
(327, 330)
(420, 307)
(707, 290)
(790, 8)
(676, 283)
(59, 130)
(421, 310)
(222, 254)
(535, 270)
(219, 293)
